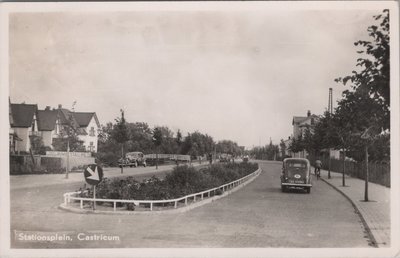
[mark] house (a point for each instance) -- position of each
(26, 121)
(301, 123)
(53, 122)
(89, 124)
(13, 137)
(23, 126)
(48, 125)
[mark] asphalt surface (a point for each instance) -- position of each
(258, 215)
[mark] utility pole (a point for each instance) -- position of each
(366, 174)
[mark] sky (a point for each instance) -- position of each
(237, 75)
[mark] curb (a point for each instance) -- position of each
(371, 237)
(170, 211)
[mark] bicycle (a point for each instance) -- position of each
(317, 172)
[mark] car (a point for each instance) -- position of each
(133, 159)
(296, 173)
(246, 158)
(225, 157)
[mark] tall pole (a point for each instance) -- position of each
(94, 197)
(122, 158)
(156, 158)
(330, 110)
(67, 168)
(366, 174)
(343, 169)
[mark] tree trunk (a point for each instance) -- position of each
(156, 159)
(329, 164)
(344, 168)
(366, 174)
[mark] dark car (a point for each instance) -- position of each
(133, 159)
(296, 173)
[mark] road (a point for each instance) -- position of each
(258, 215)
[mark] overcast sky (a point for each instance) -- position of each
(234, 75)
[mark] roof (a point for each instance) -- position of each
(84, 118)
(301, 119)
(22, 114)
(9, 112)
(46, 119)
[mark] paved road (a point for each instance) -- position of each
(258, 215)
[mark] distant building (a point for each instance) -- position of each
(301, 123)
(26, 120)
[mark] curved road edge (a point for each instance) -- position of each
(371, 237)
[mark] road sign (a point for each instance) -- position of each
(93, 174)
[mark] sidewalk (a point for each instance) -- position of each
(27, 181)
(376, 212)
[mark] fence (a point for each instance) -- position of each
(168, 156)
(77, 160)
(68, 197)
(23, 164)
(379, 172)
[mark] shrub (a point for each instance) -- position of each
(183, 180)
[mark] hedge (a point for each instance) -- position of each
(183, 180)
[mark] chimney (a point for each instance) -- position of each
(59, 106)
(47, 108)
(308, 113)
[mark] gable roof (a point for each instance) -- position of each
(298, 119)
(22, 114)
(47, 119)
(84, 118)
(302, 119)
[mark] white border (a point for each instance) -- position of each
(6, 8)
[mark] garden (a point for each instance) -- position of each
(181, 181)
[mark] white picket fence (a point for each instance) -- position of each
(168, 156)
(74, 196)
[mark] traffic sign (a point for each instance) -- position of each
(93, 174)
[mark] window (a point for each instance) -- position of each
(91, 146)
(92, 131)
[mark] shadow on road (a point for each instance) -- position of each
(268, 190)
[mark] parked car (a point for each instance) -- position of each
(133, 159)
(225, 157)
(296, 173)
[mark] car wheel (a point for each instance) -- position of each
(283, 188)
(308, 189)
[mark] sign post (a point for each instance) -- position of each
(94, 197)
(93, 176)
